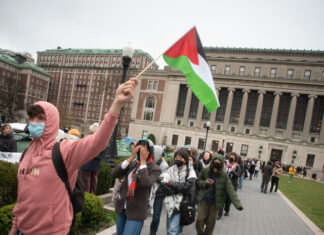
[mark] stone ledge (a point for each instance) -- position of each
(108, 231)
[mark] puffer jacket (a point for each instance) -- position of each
(8, 143)
(223, 185)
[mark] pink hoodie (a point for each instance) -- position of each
(43, 204)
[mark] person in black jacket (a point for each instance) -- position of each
(267, 172)
(90, 170)
(7, 141)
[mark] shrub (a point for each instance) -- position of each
(119, 160)
(6, 218)
(92, 212)
(9, 183)
(105, 179)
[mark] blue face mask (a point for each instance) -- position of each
(36, 129)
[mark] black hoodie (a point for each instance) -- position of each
(8, 143)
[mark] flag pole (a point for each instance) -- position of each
(149, 65)
(158, 57)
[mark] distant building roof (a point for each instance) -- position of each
(11, 60)
(266, 50)
(93, 52)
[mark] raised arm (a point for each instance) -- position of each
(76, 153)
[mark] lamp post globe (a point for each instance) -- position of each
(207, 129)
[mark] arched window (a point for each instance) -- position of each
(150, 102)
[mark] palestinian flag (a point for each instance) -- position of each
(188, 55)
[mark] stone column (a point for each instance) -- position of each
(228, 108)
(199, 114)
(274, 115)
(308, 117)
(291, 116)
(321, 140)
(258, 113)
(187, 107)
(243, 110)
(213, 114)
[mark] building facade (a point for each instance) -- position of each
(21, 84)
(271, 106)
(84, 82)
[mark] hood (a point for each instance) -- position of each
(220, 157)
(52, 123)
(158, 150)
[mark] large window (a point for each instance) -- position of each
(201, 143)
(300, 113)
(187, 140)
(148, 115)
(267, 109)
(215, 144)
(213, 68)
(241, 71)
(193, 106)
(273, 72)
(257, 71)
(251, 107)
(150, 103)
(310, 160)
(244, 150)
(229, 147)
(283, 111)
(223, 96)
(182, 100)
(290, 74)
(205, 115)
(317, 116)
(307, 75)
(236, 106)
(227, 70)
(175, 140)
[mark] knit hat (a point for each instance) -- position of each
(94, 127)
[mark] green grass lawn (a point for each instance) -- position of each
(307, 195)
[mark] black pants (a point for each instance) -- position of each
(264, 184)
(274, 181)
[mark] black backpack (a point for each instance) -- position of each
(77, 196)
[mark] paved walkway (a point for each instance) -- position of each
(265, 214)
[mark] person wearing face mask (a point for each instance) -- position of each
(43, 204)
(234, 171)
(181, 179)
(140, 172)
(213, 185)
(7, 141)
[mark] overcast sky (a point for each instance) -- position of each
(153, 26)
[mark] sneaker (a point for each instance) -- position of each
(239, 190)
(226, 213)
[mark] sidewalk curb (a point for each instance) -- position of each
(301, 215)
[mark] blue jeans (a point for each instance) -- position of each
(157, 208)
(125, 226)
(240, 185)
(256, 173)
(173, 224)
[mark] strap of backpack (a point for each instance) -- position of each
(60, 167)
(23, 155)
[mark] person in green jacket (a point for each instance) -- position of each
(213, 185)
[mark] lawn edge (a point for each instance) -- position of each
(301, 215)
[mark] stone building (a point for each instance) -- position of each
(84, 82)
(21, 84)
(272, 104)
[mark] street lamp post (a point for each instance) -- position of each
(207, 127)
(260, 151)
(112, 146)
(294, 155)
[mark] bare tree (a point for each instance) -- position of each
(14, 95)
